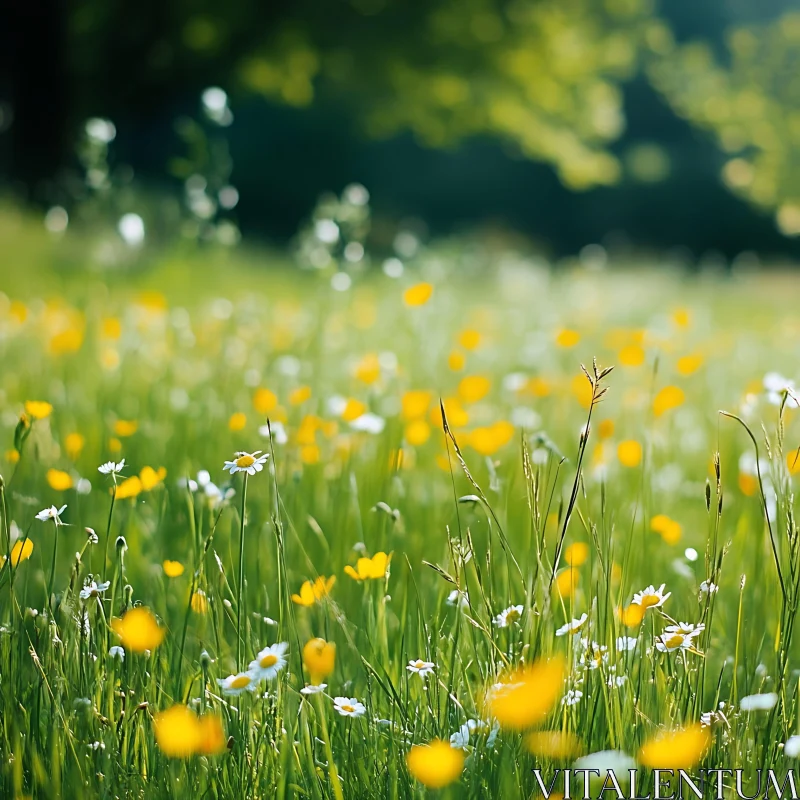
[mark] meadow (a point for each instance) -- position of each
(405, 534)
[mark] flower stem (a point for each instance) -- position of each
(50, 599)
(241, 579)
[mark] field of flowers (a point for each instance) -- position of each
(403, 534)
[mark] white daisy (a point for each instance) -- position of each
(572, 697)
(508, 616)
(593, 655)
(420, 667)
(93, 589)
(111, 468)
(247, 462)
(270, 661)
(311, 689)
(758, 702)
(651, 597)
(369, 423)
(458, 598)
(51, 513)
(792, 747)
(460, 739)
(686, 628)
(625, 643)
(349, 706)
(668, 642)
(234, 685)
(572, 627)
(709, 587)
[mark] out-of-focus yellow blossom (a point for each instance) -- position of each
(415, 404)
(368, 370)
(605, 430)
(668, 398)
(629, 453)
(457, 416)
(138, 629)
(669, 530)
(469, 339)
(436, 764)
(538, 387)
(417, 432)
(73, 444)
(680, 749)
(150, 478)
(473, 388)
(125, 427)
(130, 487)
(172, 569)
(553, 745)
(632, 355)
(20, 551)
(264, 401)
(418, 295)
(38, 409)
(582, 390)
(180, 733)
(299, 395)
(567, 581)
(199, 602)
(632, 615)
(488, 440)
(576, 553)
(237, 421)
(456, 361)
(111, 328)
(353, 409)
(524, 697)
(688, 365)
(567, 338)
(58, 480)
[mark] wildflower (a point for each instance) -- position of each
(138, 629)
(669, 642)
(150, 478)
(130, 487)
(369, 568)
(211, 735)
(629, 453)
(555, 745)
(172, 569)
(668, 398)
(460, 738)
(51, 513)
(708, 587)
(247, 462)
(488, 440)
(420, 667)
(237, 422)
(177, 732)
(199, 602)
(311, 688)
(572, 627)
(435, 764)
(311, 593)
(525, 696)
(669, 530)
(20, 551)
(125, 427)
(115, 651)
(625, 643)
(458, 598)
(111, 468)
(270, 661)
(791, 749)
(680, 749)
(651, 597)
(93, 589)
(418, 295)
(473, 388)
(576, 554)
(83, 486)
(234, 685)
(572, 697)
(58, 480)
(349, 706)
(758, 702)
(508, 616)
(369, 423)
(264, 401)
(319, 658)
(567, 338)
(38, 409)
(593, 655)
(686, 628)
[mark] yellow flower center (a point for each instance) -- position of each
(419, 664)
(269, 660)
(676, 640)
(240, 681)
(245, 461)
(650, 600)
(348, 709)
(513, 615)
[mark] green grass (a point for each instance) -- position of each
(495, 527)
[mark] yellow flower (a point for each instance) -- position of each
(368, 370)
(632, 615)
(418, 295)
(353, 410)
(632, 355)
(319, 658)
(12, 456)
(112, 328)
(20, 551)
(177, 732)
(130, 487)
(576, 553)
(436, 764)
(669, 530)
(567, 581)
(457, 417)
(172, 569)
(138, 629)
(114, 444)
(681, 317)
(680, 749)
(469, 339)
(38, 409)
(299, 395)
(689, 364)
(415, 404)
(605, 430)
(567, 338)
(199, 602)
(369, 568)
(417, 432)
(525, 696)
(488, 440)
(748, 484)
(474, 388)
(629, 453)
(150, 478)
(264, 401)
(554, 745)
(237, 421)
(793, 462)
(456, 361)
(212, 736)
(125, 427)
(668, 398)
(311, 593)
(74, 445)
(582, 390)
(538, 387)
(59, 480)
